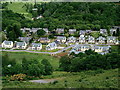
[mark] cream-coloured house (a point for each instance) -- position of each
(7, 44)
(21, 45)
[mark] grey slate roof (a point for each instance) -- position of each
(36, 44)
(53, 44)
(104, 48)
(91, 38)
(111, 38)
(44, 38)
(60, 30)
(26, 39)
(81, 38)
(20, 43)
(101, 38)
(82, 32)
(61, 37)
(82, 46)
(103, 31)
(71, 38)
(8, 42)
(72, 30)
(88, 31)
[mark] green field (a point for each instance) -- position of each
(85, 79)
(18, 56)
(18, 7)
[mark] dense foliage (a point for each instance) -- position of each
(61, 15)
(77, 15)
(67, 15)
(89, 61)
(28, 67)
(41, 32)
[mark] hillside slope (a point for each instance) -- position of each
(18, 7)
(85, 79)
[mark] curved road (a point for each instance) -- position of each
(59, 51)
(39, 52)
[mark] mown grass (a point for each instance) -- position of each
(95, 34)
(18, 56)
(43, 50)
(84, 79)
(18, 7)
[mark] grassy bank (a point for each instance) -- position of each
(18, 7)
(18, 56)
(84, 79)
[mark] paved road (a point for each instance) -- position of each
(59, 51)
(40, 52)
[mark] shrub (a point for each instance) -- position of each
(18, 77)
(80, 80)
(107, 77)
(55, 82)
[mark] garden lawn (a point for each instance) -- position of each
(95, 34)
(18, 56)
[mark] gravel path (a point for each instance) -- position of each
(43, 80)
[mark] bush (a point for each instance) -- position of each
(89, 61)
(55, 82)
(18, 77)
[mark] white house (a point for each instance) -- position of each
(7, 44)
(61, 38)
(101, 49)
(21, 45)
(111, 39)
(82, 32)
(82, 39)
(112, 30)
(101, 39)
(91, 39)
(51, 46)
(71, 39)
(36, 46)
(72, 31)
(88, 31)
(60, 30)
(80, 48)
(103, 31)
